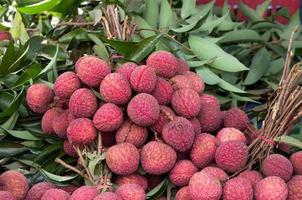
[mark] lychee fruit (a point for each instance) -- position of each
(163, 91)
(81, 131)
(84, 192)
(143, 109)
(296, 160)
(126, 69)
(179, 133)
(253, 176)
(238, 189)
(91, 70)
(157, 158)
(277, 165)
(109, 117)
(203, 150)
(164, 63)
(271, 187)
(232, 156)
(61, 122)
(182, 66)
(55, 194)
(66, 84)
(143, 79)
(133, 179)
(5, 195)
(230, 134)
(204, 186)
(47, 119)
(131, 192)
(107, 196)
(15, 183)
(37, 190)
(122, 159)
(83, 103)
(183, 194)
(69, 188)
(115, 88)
(236, 118)
(182, 172)
(185, 102)
(131, 133)
(69, 150)
(181, 82)
(39, 97)
(209, 100)
(216, 172)
(196, 125)
(165, 116)
(295, 188)
(196, 80)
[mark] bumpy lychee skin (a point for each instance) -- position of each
(91, 70)
(209, 100)
(5, 195)
(126, 69)
(15, 183)
(143, 79)
(196, 125)
(69, 188)
(66, 84)
(236, 118)
(84, 192)
(61, 122)
(295, 188)
(107, 196)
(133, 179)
(39, 97)
(47, 120)
(115, 88)
(230, 134)
(271, 187)
(165, 116)
(83, 103)
(163, 91)
(109, 117)
(182, 66)
(204, 186)
(185, 102)
(55, 194)
(179, 133)
(122, 159)
(277, 165)
(181, 82)
(131, 192)
(197, 81)
(253, 176)
(183, 194)
(131, 133)
(203, 150)
(81, 131)
(231, 156)
(182, 172)
(37, 190)
(164, 63)
(296, 160)
(238, 189)
(143, 109)
(69, 150)
(216, 172)
(157, 158)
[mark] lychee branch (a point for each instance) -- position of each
(67, 166)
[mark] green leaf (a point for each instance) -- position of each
(205, 50)
(244, 35)
(49, 150)
(259, 66)
(52, 62)
(8, 58)
(121, 47)
(242, 98)
(165, 15)
(39, 7)
(10, 149)
(249, 12)
(210, 24)
(142, 24)
(18, 31)
(28, 75)
(79, 34)
(99, 48)
(261, 9)
(156, 192)
(276, 66)
(25, 135)
(188, 8)
(14, 103)
(289, 140)
(96, 15)
(151, 13)
(3, 10)
(56, 178)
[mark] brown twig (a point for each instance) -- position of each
(82, 162)
(67, 166)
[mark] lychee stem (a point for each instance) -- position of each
(61, 162)
(82, 161)
(100, 145)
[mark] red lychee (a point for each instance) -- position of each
(209, 100)
(4, 35)
(216, 173)
(39, 97)
(196, 125)
(37, 190)
(181, 82)
(157, 158)
(182, 66)
(271, 188)
(203, 150)
(47, 119)
(60, 123)
(109, 117)
(69, 188)
(238, 189)
(166, 114)
(81, 131)
(15, 183)
(133, 179)
(164, 63)
(122, 159)
(204, 186)
(163, 91)
(179, 133)
(143, 109)
(91, 70)
(131, 192)
(143, 79)
(183, 194)
(296, 160)
(126, 69)
(55, 194)
(66, 84)
(230, 134)
(69, 150)
(107, 196)
(182, 172)
(196, 80)
(84, 193)
(295, 188)
(116, 89)
(236, 118)
(5, 195)
(253, 176)
(277, 165)
(83, 103)
(231, 156)
(131, 133)
(185, 102)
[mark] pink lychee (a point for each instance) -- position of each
(253, 176)
(107, 196)
(81, 131)
(5, 195)
(39, 97)
(84, 192)
(60, 123)
(182, 172)
(216, 172)
(236, 118)
(163, 91)
(181, 82)
(133, 179)
(126, 69)
(143, 79)
(182, 66)
(47, 120)
(66, 84)
(55, 194)
(295, 188)
(37, 190)
(131, 192)
(296, 160)
(196, 80)
(271, 187)
(183, 194)
(166, 114)
(238, 189)
(230, 134)
(69, 149)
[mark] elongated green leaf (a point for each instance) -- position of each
(56, 178)
(25, 135)
(243, 98)
(15, 65)
(275, 67)
(165, 15)
(29, 74)
(79, 34)
(10, 149)
(188, 8)
(99, 48)
(290, 141)
(156, 192)
(142, 24)
(51, 63)
(263, 7)
(8, 58)
(39, 7)
(244, 35)
(151, 13)
(250, 13)
(205, 50)
(14, 104)
(3, 10)
(210, 24)
(18, 31)
(49, 150)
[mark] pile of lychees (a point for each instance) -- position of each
(155, 116)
